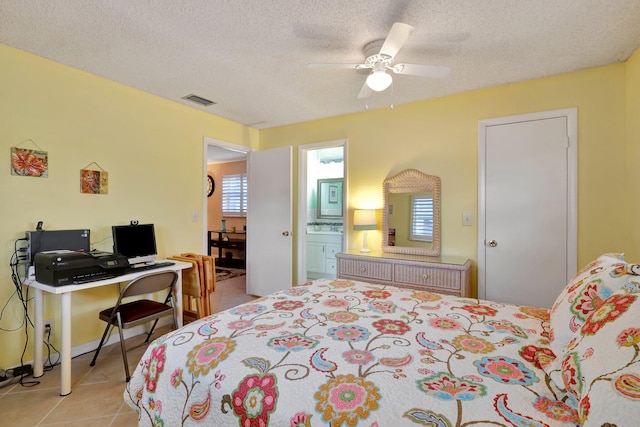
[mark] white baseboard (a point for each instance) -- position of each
(91, 346)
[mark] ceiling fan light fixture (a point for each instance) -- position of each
(379, 80)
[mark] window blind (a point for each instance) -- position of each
(422, 218)
(234, 195)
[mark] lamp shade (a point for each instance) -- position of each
(379, 80)
(364, 219)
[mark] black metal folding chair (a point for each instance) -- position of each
(126, 315)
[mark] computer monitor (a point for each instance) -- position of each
(136, 242)
(55, 240)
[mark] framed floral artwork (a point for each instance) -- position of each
(26, 162)
(94, 182)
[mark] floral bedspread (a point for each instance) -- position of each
(345, 353)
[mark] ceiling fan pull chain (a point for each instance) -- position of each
(392, 93)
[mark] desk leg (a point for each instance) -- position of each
(38, 332)
(65, 351)
(178, 298)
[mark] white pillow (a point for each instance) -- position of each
(584, 293)
(601, 365)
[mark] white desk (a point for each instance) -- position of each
(65, 314)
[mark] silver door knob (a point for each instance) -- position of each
(493, 243)
(285, 233)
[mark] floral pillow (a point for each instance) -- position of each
(601, 365)
(584, 294)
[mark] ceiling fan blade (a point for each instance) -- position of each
(435, 71)
(365, 92)
(396, 38)
(347, 66)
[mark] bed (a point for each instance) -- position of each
(346, 353)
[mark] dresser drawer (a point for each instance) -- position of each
(434, 278)
(365, 269)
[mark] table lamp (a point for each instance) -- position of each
(364, 219)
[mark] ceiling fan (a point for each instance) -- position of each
(379, 57)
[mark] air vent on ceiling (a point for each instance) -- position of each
(198, 100)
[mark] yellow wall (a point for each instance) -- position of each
(633, 155)
(151, 147)
(440, 137)
(153, 151)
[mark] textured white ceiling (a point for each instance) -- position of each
(250, 56)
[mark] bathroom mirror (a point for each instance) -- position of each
(411, 214)
(330, 198)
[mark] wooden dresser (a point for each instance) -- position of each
(449, 275)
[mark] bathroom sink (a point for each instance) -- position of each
(328, 232)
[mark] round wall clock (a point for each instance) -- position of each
(211, 185)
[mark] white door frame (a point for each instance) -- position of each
(302, 199)
(208, 141)
(571, 115)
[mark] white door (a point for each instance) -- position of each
(269, 221)
(527, 237)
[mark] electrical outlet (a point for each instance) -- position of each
(48, 327)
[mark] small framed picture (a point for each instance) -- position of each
(94, 182)
(333, 194)
(25, 162)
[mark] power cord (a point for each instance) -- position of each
(14, 263)
(22, 294)
(11, 376)
(94, 244)
(47, 342)
(27, 370)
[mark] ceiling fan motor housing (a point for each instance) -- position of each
(372, 53)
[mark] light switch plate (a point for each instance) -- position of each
(467, 218)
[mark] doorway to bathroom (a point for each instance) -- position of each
(322, 207)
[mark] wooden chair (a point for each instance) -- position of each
(134, 313)
(207, 268)
(193, 297)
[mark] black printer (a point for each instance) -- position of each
(63, 267)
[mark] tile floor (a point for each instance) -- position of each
(96, 397)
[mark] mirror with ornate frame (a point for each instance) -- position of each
(406, 194)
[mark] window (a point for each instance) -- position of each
(422, 217)
(234, 195)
